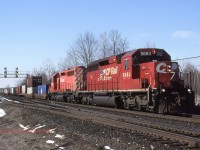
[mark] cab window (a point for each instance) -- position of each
(126, 64)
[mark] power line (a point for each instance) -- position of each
(186, 58)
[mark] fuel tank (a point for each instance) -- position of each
(58, 97)
(105, 101)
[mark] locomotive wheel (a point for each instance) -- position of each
(65, 98)
(137, 103)
(143, 108)
(160, 106)
(138, 107)
(126, 105)
(69, 99)
(48, 97)
(90, 101)
(82, 101)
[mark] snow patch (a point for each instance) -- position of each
(59, 136)
(2, 112)
(7, 99)
(38, 127)
(107, 148)
(61, 148)
(152, 147)
(24, 127)
(51, 130)
(49, 142)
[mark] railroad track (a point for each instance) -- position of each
(184, 137)
(185, 131)
(181, 117)
(171, 128)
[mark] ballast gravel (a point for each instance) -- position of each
(30, 129)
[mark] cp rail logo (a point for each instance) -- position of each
(105, 74)
(161, 67)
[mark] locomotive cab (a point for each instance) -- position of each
(160, 77)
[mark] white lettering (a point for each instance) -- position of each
(145, 53)
(106, 74)
(62, 80)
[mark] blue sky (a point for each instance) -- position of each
(32, 31)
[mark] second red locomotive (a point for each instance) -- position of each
(144, 79)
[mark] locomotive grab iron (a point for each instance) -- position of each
(143, 79)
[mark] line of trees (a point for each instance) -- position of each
(87, 48)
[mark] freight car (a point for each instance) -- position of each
(142, 79)
(32, 85)
(42, 91)
(21, 90)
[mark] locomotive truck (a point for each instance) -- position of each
(143, 79)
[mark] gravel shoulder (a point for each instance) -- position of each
(23, 129)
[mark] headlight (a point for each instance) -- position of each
(163, 90)
(189, 90)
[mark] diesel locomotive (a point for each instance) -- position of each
(143, 79)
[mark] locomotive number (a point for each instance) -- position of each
(126, 74)
(145, 53)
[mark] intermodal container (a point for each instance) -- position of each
(43, 89)
(32, 90)
(23, 89)
(13, 90)
(34, 81)
(18, 90)
(7, 91)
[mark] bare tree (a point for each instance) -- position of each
(112, 44)
(150, 45)
(21, 82)
(73, 56)
(63, 64)
(83, 51)
(104, 46)
(48, 69)
(124, 44)
(115, 38)
(36, 72)
(71, 59)
(86, 48)
(191, 77)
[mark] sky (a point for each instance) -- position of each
(32, 31)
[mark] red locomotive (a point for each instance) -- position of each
(143, 79)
